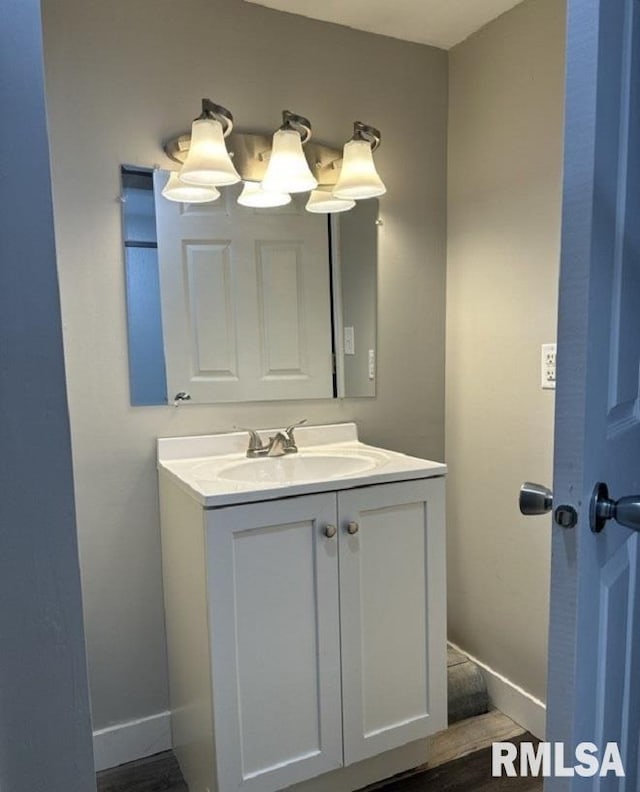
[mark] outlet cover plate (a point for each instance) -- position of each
(548, 367)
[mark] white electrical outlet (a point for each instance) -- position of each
(548, 367)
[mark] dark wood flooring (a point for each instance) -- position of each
(470, 773)
(159, 773)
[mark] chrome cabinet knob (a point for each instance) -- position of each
(330, 531)
(353, 528)
(535, 498)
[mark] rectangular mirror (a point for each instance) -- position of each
(147, 377)
(355, 278)
(230, 304)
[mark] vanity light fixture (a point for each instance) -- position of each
(288, 170)
(176, 190)
(358, 177)
(322, 201)
(272, 169)
(255, 196)
(208, 162)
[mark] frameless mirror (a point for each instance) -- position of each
(227, 304)
(355, 277)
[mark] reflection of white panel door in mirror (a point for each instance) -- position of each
(245, 300)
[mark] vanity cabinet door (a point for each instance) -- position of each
(392, 599)
(275, 642)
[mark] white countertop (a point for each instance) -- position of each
(198, 464)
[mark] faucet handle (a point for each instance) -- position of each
(291, 447)
(289, 429)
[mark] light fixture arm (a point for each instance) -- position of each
(366, 132)
(298, 123)
(217, 112)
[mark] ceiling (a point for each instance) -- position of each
(441, 23)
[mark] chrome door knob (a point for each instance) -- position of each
(353, 528)
(625, 511)
(180, 398)
(535, 498)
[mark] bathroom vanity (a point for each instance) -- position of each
(305, 610)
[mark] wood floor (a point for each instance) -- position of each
(471, 735)
(159, 773)
(471, 773)
(460, 761)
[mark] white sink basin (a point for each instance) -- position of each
(282, 470)
(215, 471)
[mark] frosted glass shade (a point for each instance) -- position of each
(323, 202)
(358, 177)
(288, 170)
(208, 162)
(175, 190)
(254, 195)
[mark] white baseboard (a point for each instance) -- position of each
(131, 740)
(525, 709)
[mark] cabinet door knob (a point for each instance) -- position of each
(330, 531)
(353, 528)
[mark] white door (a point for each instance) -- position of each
(275, 642)
(245, 295)
(594, 663)
(393, 620)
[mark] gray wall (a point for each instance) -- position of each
(122, 77)
(45, 729)
(505, 153)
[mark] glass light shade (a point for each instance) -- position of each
(253, 195)
(208, 162)
(358, 178)
(323, 202)
(288, 170)
(175, 190)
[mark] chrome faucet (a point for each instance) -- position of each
(280, 444)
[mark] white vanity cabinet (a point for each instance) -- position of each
(306, 634)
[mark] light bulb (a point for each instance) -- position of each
(253, 195)
(358, 178)
(208, 162)
(175, 190)
(323, 202)
(288, 170)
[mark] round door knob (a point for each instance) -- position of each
(625, 511)
(535, 499)
(353, 528)
(180, 398)
(330, 531)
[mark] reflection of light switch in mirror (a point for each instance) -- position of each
(372, 364)
(349, 341)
